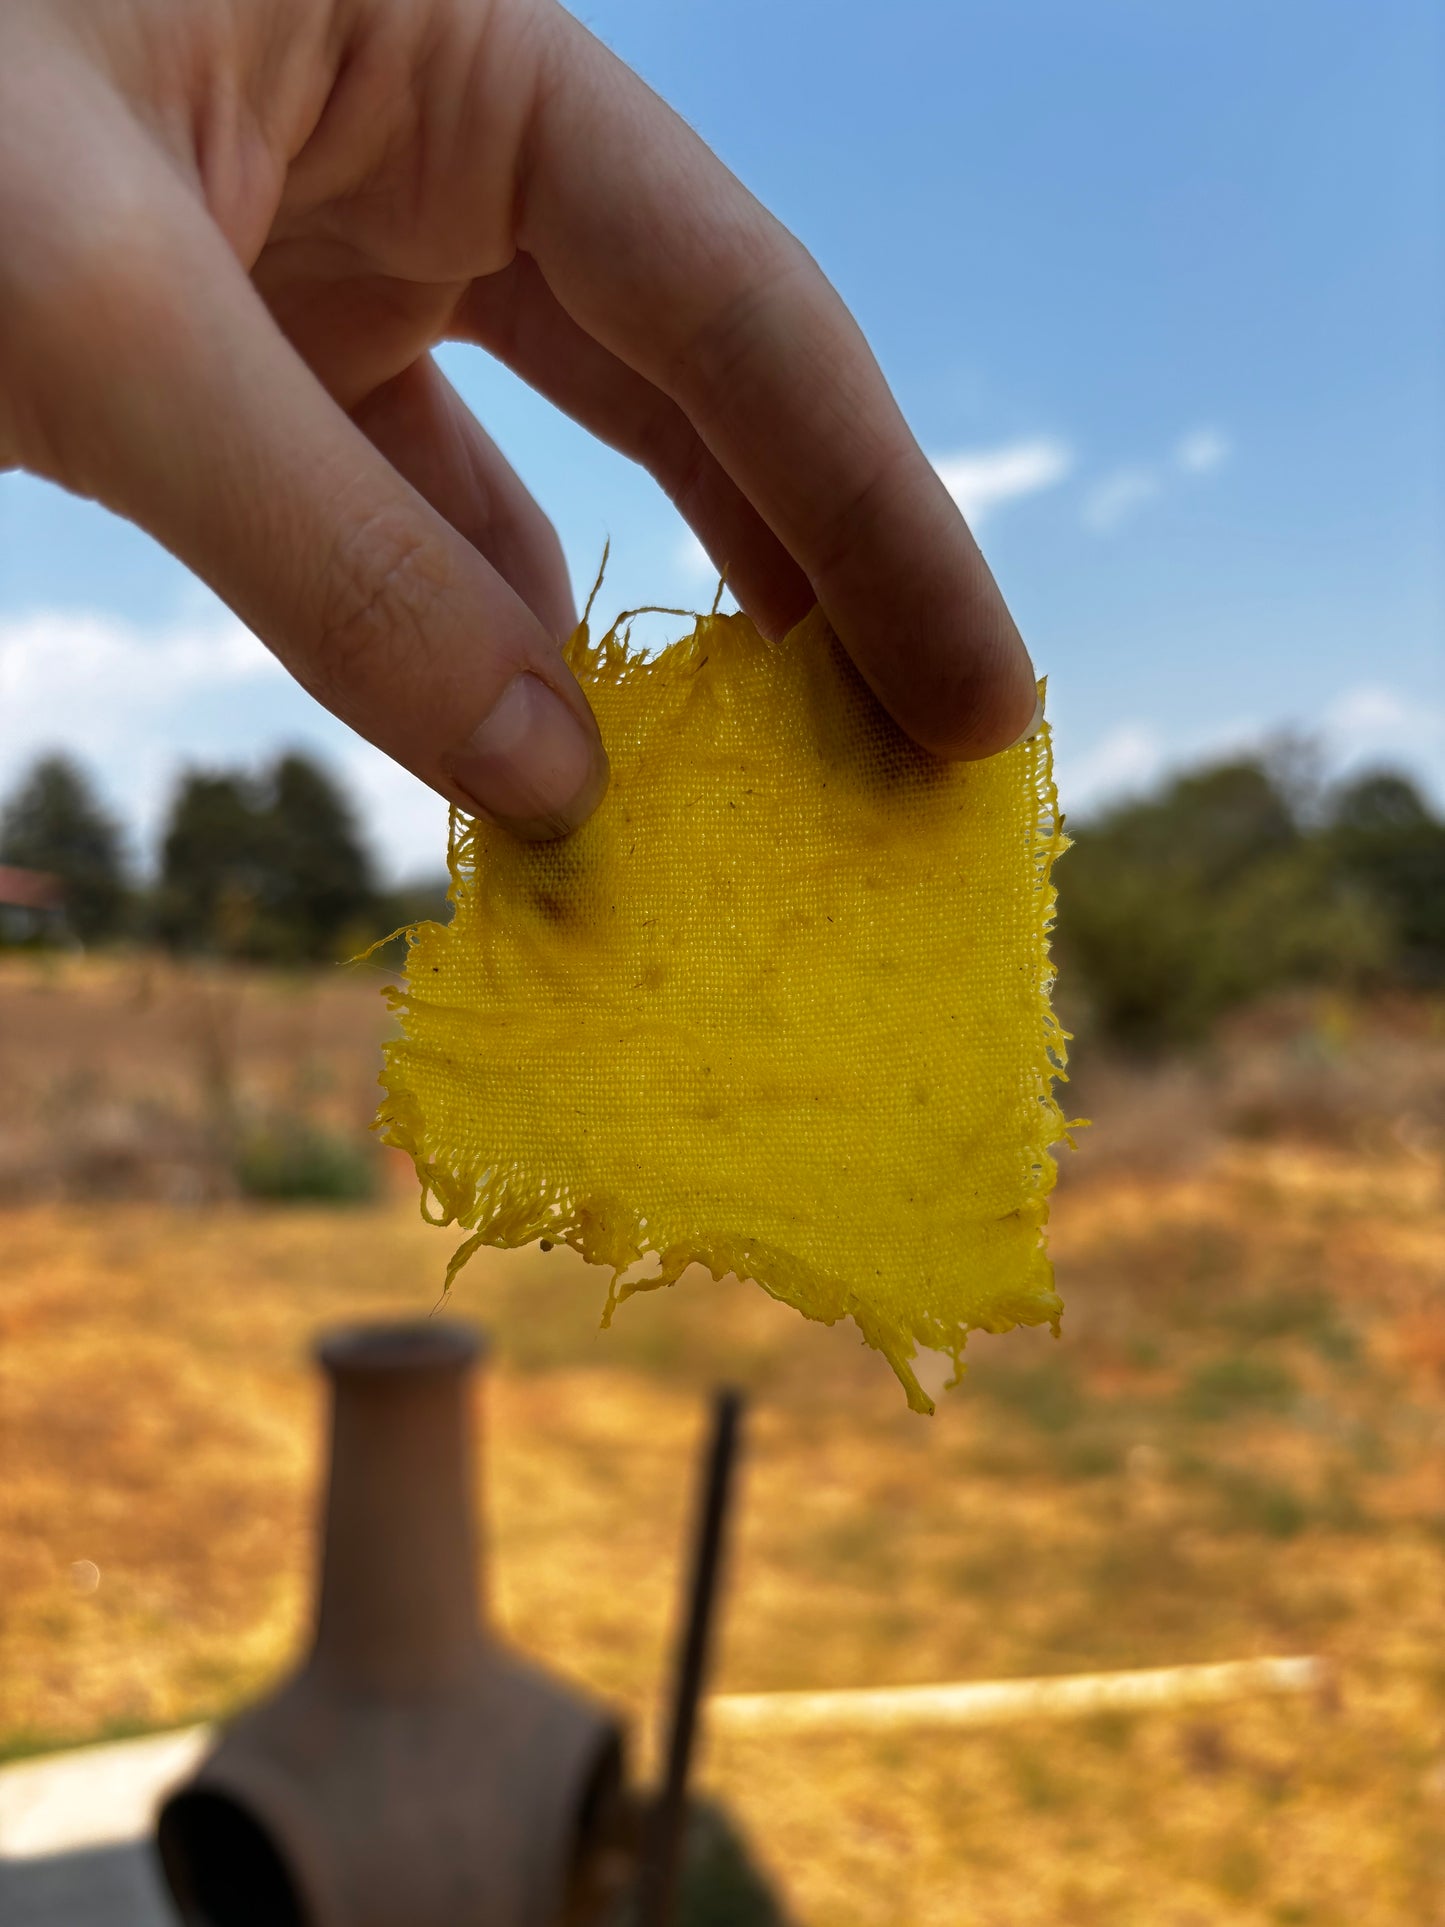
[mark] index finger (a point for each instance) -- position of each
(661, 255)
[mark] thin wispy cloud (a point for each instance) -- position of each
(1201, 451)
(1376, 723)
(981, 480)
(1118, 496)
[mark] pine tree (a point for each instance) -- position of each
(322, 883)
(214, 866)
(272, 869)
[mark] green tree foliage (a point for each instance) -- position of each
(322, 881)
(55, 822)
(271, 868)
(213, 868)
(1384, 838)
(1231, 883)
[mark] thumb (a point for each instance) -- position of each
(196, 418)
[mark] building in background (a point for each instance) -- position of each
(32, 906)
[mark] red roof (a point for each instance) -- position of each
(30, 889)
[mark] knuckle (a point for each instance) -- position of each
(682, 468)
(852, 521)
(102, 272)
(762, 293)
(379, 593)
(89, 308)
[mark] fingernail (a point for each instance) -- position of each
(1035, 724)
(532, 765)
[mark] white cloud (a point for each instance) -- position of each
(117, 696)
(1115, 497)
(1202, 450)
(1367, 713)
(982, 479)
(1130, 757)
(136, 705)
(61, 659)
(122, 700)
(1371, 724)
(1374, 723)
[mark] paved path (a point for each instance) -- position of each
(75, 1833)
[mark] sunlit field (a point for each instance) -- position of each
(1236, 1449)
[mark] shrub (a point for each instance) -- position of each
(1234, 882)
(291, 1161)
(1239, 1382)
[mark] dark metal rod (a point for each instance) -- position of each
(662, 1861)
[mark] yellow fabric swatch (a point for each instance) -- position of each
(781, 1008)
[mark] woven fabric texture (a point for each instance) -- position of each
(781, 1008)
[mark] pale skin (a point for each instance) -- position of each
(232, 231)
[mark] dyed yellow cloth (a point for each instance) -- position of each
(781, 1008)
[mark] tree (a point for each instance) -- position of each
(1384, 839)
(55, 822)
(213, 873)
(1176, 907)
(269, 869)
(323, 882)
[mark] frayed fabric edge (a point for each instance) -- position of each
(506, 1208)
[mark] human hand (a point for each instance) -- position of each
(232, 230)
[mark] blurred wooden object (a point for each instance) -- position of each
(414, 1772)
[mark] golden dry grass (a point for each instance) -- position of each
(1238, 1448)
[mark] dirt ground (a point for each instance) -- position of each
(1237, 1448)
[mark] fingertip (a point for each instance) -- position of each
(978, 723)
(1035, 724)
(533, 764)
(915, 605)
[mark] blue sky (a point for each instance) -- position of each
(1158, 284)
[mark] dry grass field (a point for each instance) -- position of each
(1237, 1448)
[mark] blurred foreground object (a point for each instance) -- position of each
(413, 1773)
(666, 1841)
(780, 1008)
